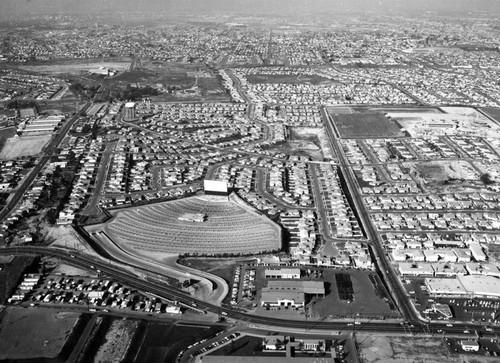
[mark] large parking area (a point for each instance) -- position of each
(472, 309)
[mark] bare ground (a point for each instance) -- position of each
(34, 333)
(117, 341)
(23, 146)
(383, 349)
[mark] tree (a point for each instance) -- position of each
(486, 179)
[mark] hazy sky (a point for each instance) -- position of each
(19, 7)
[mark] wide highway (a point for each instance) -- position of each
(327, 326)
(392, 281)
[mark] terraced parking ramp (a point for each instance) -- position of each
(228, 226)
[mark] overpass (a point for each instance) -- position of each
(159, 288)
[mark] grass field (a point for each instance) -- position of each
(189, 83)
(5, 134)
(162, 342)
(386, 109)
(438, 171)
(24, 146)
(137, 75)
(209, 85)
(11, 273)
(34, 333)
(68, 104)
(365, 125)
(494, 113)
(221, 267)
(3, 198)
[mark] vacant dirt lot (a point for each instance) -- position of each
(23, 146)
(403, 349)
(117, 341)
(34, 333)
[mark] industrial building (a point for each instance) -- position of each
(40, 126)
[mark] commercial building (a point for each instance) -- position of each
(466, 286)
(282, 273)
(130, 111)
(415, 269)
(290, 293)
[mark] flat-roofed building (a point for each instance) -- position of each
(295, 299)
(463, 254)
(467, 286)
(415, 269)
(413, 254)
(282, 273)
(129, 111)
(445, 287)
(446, 269)
(444, 255)
(290, 292)
(483, 268)
(481, 286)
(477, 251)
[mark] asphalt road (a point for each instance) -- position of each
(324, 326)
(47, 154)
(92, 206)
(392, 281)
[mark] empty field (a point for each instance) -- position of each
(23, 146)
(494, 113)
(5, 134)
(34, 333)
(230, 226)
(75, 67)
(403, 349)
(365, 125)
(162, 342)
